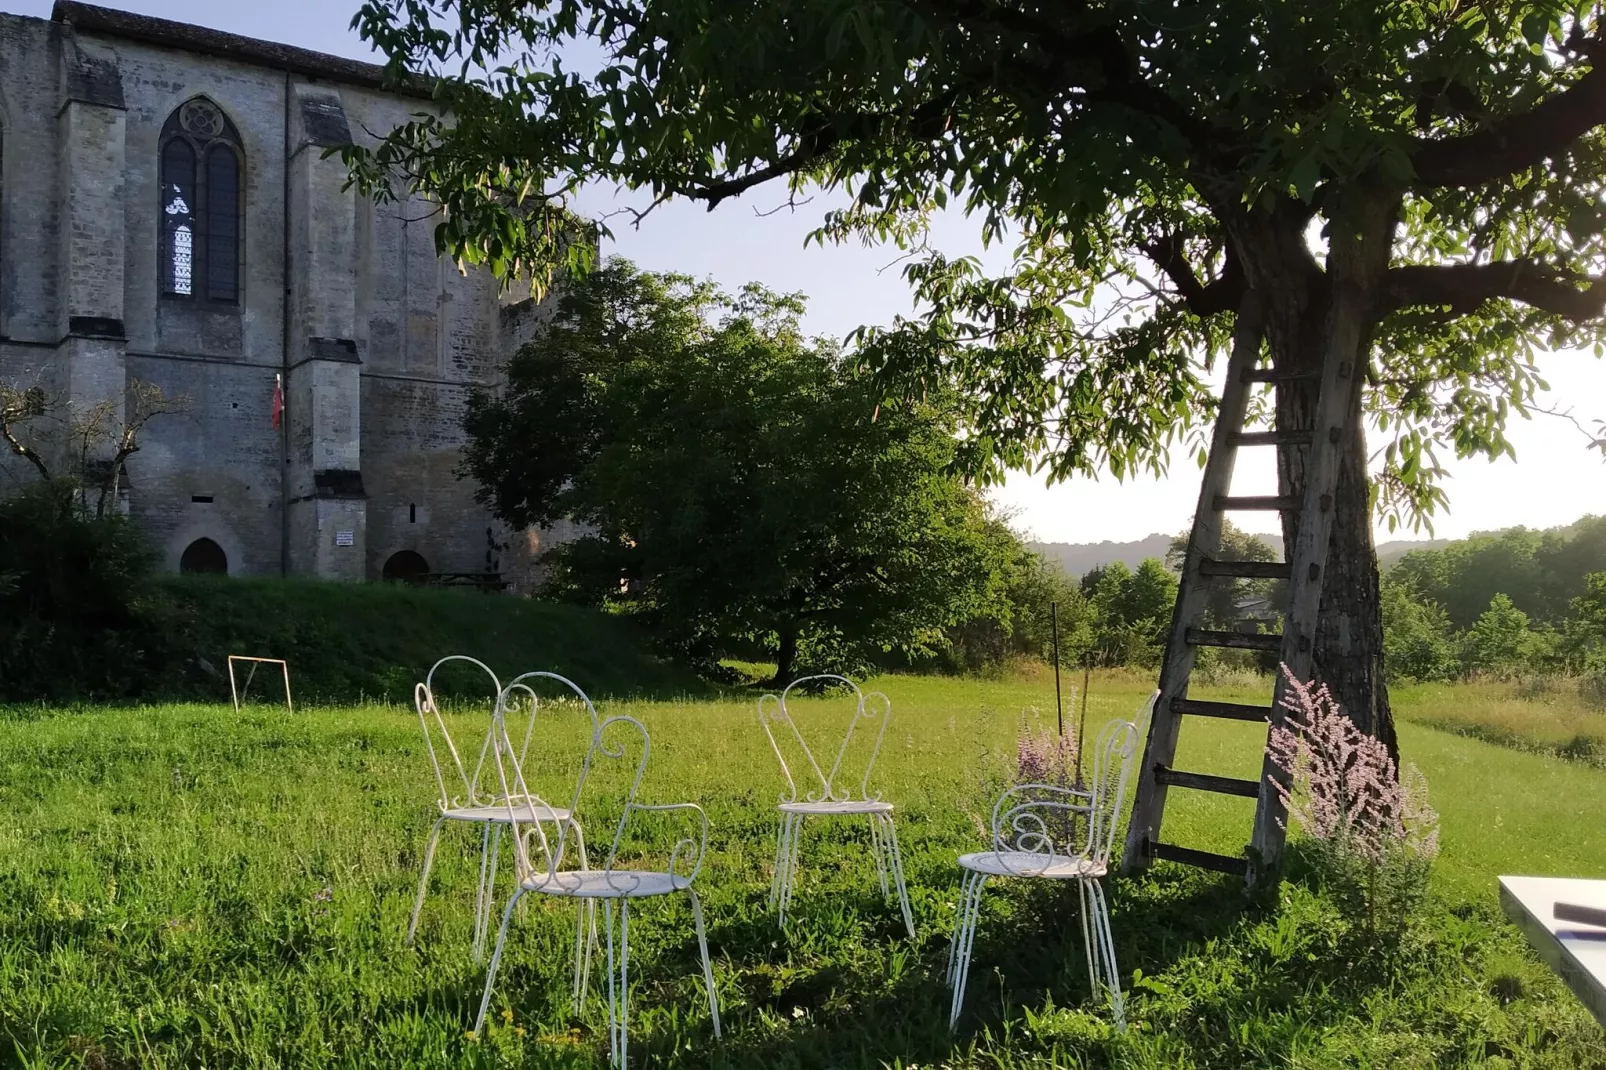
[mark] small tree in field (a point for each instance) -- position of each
(1499, 642)
(741, 482)
(85, 445)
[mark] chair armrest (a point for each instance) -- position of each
(683, 846)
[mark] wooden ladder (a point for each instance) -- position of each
(1337, 408)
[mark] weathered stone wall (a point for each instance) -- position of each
(379, 340)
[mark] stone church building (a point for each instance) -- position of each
(168, 217)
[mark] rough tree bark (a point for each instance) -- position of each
(1297, 297)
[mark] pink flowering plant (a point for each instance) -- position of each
(1042, 756)
(1369, 830)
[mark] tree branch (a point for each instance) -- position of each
(1518, 142)
(1223, 294)
(1094, 62)
(1463, 287)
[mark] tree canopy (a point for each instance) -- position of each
(738, 483)
(1411, 189)
(1178, 150)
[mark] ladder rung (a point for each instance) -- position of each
(1235, 711)
(1278, 503)
(1246, 570)
(1272, 375)
(1274, 438)
(1235, 640)
(1221, 785)
(1170, 852)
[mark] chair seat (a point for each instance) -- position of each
(607, 884)
(497, 813)
(850, 806)
(1031, 864)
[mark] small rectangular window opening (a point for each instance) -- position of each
(201, 499)
(412, 513)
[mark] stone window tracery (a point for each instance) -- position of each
(202, 165)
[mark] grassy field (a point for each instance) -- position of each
(1546, 715)
(180, 886)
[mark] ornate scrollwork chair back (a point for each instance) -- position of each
(867, 725)
(536, 849)
(1035, 826)
(459, 783)
(1113, 754)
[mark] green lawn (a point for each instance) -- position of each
(180, 886)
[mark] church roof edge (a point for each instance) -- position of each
(90, 18)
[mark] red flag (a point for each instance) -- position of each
(278, 401)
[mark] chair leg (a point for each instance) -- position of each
(965, 878)
(486, 899)
(496, 958)
(585, 932)
(895, 856)
(964, 941)
(1089, 943)
(794, 841)
(708, 967)
(1106, 943)
(423, 881)
(879, 851)
(618, 997)
(780, 860)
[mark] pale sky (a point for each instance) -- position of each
(1554, 480)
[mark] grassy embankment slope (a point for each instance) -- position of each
(371, 642)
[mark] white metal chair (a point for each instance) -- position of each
(540, 866)
(464, 798)
(1056, 833)
(833, 799)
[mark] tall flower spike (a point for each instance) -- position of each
(1341, 784)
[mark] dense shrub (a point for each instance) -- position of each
(79, 617)
(1417, 640)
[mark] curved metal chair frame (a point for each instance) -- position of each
(832, 798)
(463, 798)
(540, 864)
(1056, 833)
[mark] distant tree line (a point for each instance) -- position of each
(1503, 604)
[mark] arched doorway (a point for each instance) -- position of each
(405, 566)
(205, 557)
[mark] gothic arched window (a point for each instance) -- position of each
(202, 165)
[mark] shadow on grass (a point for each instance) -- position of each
(791, 1010)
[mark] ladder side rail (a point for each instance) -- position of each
(1337, 409)
(1193, 591)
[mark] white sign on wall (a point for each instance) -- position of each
(345, 538)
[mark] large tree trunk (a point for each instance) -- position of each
(1300, 322)
(786, 655)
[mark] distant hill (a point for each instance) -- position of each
(1078, 558)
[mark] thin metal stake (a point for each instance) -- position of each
(1081, 731)
(1059, 712)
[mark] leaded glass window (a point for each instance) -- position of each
(202, 172)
